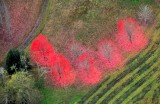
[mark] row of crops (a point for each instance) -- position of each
(134, 82)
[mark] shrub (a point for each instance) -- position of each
(16, 61)
(61, 73)
(130, 36)
(20, 90)
(3, 74)
(13, 59)
(41, 49)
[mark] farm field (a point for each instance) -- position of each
(81, 52)
(139, 78)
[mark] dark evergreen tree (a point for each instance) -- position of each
(16, 61)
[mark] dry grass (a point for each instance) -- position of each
(87, 21)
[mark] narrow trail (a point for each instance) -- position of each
(32, 34)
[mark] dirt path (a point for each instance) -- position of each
(31, 35)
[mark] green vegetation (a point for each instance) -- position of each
(16, 61)
(19, 89)
(134, 3)
(60, 96)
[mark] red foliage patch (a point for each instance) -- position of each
(130, 36)
(87, 70)
(61, 71)
(109, 55)
(41, 50)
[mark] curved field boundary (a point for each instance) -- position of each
(112, 88)
(36, 26)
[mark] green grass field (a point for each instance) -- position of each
(59, 96)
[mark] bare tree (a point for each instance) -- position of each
(145, 15)
(76, 50)
(129, 30)
(107, 51)
(84, 65)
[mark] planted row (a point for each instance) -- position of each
(150, 52)
(119, 77)
(142, 94)
(136, 85)
(111, 95)
(147, 52)
(152, 79)
(136, 78)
